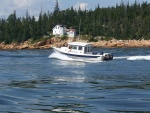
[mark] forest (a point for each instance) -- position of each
(122, 22)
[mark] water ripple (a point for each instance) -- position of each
(33, 83)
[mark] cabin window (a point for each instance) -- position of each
(80, 48)
(91, 48)
(85, 49)
(88, 49)
(70, 47)
(74, 47)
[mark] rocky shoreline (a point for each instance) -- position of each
(122, 43)
(45, 44)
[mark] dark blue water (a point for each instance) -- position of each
(31, 82)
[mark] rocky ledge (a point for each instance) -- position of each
(45, 44)
(122, 43)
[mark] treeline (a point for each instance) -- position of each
(123, 21)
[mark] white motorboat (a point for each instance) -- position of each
(80, 50)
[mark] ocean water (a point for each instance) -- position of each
(41, 81)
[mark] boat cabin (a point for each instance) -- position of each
(80, 47)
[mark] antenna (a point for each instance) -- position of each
(41, 9)
(79, 27)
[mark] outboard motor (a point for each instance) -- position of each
(108, 56)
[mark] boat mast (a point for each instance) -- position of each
(79, 27)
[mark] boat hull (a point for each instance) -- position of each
(91, 57)
(81, 50)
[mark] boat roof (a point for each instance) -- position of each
(79, 44)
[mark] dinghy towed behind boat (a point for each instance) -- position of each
(81, 50)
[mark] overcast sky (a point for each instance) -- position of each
(33, 7)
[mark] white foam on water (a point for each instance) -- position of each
(133, 57)
(60, 56)
(121, 57)
(60, 110)
(139, 58)
(70, 79)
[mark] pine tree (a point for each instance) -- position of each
(56, 8)
(123, 21)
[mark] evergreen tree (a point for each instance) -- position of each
(33, 28)
(56, 8)
(39, 26)
(123, 21)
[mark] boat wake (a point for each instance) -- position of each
(121, 57)
(134, 57)
(139, 58)
(57, 55)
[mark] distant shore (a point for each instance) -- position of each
(45, 44)
(122, 43)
